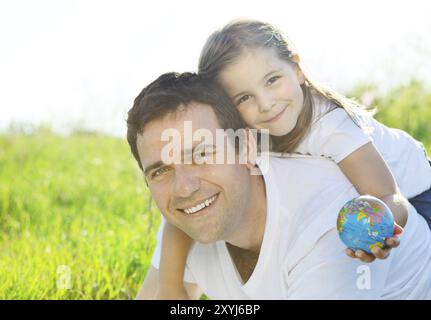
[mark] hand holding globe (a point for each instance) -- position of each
(364, 223)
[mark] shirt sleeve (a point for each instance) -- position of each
(328, 273)
(155, 260)
(335, 136)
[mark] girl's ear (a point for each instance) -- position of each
(295, 58)
(298, 71)
(300, 75)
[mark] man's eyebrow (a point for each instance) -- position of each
(198, 144)
(264, 77)
(160, 163)
(153, 166)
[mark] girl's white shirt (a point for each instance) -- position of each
(334, 135)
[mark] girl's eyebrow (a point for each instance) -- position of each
(270, 73)
(237, 95)
(263, 78)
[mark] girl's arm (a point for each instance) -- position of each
(175, 248)
(150, 287)
(369, 174)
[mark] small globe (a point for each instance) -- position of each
(364, 223)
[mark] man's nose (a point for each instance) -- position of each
(186, 181)
(266, 102)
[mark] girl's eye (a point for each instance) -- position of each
(243, 99)
(273, 79)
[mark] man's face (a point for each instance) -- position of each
(206, 201)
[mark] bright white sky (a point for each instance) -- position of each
(81, 63)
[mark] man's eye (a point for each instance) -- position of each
(202, 153)
(273, 79)
(207, 152)
(243, 99)
(159, 172)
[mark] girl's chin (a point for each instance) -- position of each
(278, 132)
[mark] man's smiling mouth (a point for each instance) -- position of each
(204, 204)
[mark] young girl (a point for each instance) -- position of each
(259, 69)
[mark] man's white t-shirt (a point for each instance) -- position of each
(334, 135)
(302, 256)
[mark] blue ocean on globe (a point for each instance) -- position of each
(364, 223)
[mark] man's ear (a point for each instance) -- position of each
(249, 150)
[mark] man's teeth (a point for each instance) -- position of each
(200, 206)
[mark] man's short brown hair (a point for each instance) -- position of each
(172, 90)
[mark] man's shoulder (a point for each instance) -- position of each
(310, 191)
(282, 165)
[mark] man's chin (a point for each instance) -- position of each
(203, 238)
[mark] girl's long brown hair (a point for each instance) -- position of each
(224, 46)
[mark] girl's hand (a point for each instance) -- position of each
(380, 253)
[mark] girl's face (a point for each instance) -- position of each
(265, 89)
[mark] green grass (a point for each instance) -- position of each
(76, 201)
(80, 201)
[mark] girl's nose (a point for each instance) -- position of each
(266, 102)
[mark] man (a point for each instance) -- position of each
(268, 236)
